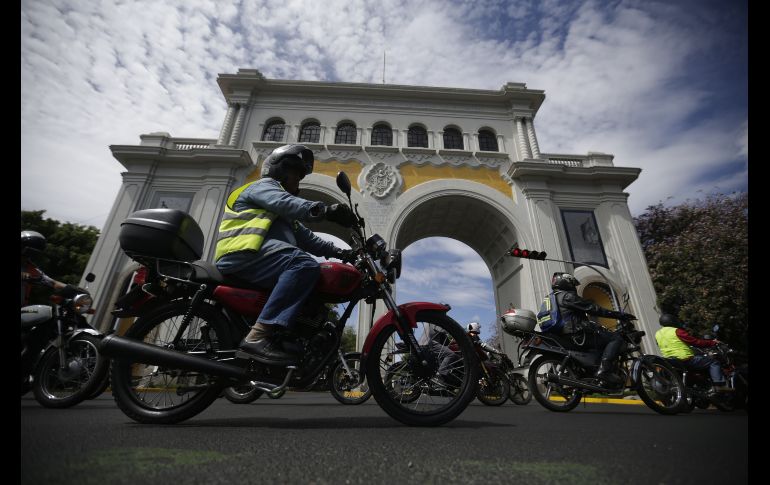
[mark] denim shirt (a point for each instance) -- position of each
(286, 232)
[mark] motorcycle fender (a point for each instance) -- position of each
(84, 331)
(409, 311)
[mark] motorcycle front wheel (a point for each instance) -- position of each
(435, 395)
(493, 389)
(84, 369)
(660, 387)
(349, 388)
(520, 391)
(553, 396)
(162, 395)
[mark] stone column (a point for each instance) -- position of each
(532, 138)
(322, 135)
(431, 143)
(238, 124)
(404, 138)
(227, 126)
(474, 143)
(368, 139)
(500, 143)
(440, 139)
(467, 142)
(523, 146)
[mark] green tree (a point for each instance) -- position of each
(698, 257)
(68, 247)
(348, 340)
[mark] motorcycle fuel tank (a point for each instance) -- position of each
(248, 303)
(35, 315)
(338, 281)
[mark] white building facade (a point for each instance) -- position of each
(424, 161)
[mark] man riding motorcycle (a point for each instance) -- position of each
(674, 342)
(32, 242)
(474, 332)
(262, 242)
(572, 310)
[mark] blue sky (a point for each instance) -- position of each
(660, 85)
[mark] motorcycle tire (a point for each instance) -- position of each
(554, 397)
(520, 394)
(660, 386)
(401, 384)
(152, 394)
(495, 391)
(89, 368)
(244, 394)
(436, 402)
(339, 383)
(101, 387)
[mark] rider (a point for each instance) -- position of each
(474, 332)
(674, 342)
(32, 242)
(262, 242)
(572, 310)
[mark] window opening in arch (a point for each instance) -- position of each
(600, 294)
(453, 140)
(487, 141)
(583, 237)
(310, 133)
(382, 135)
(274, 131)
(417, 137)
(346, 134)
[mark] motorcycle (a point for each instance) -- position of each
(343, 378)
(519, 388)
(175, 359)
(59, 360)
(699, 387)
(562, 372)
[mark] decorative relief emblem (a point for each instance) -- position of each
(419, 157)
(343, 154)
(457, 160)
(380, 155)
(381, 179)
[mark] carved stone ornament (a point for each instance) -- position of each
(343, 155)
(420, 157)
(380, 180)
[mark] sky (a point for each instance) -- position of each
(661, 85)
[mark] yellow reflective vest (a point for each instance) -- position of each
(244, 230)
(671, 346)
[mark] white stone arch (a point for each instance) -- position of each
(324, 188)
(491, 235)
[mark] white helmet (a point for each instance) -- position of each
(474, 327)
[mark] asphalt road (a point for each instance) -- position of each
(310, 438)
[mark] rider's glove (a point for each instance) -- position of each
(345, 255)
(341, 214)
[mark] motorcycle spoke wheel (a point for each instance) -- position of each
(349, 388)
(553, 396)
(520, 391)
(84, 368)
(157, 394)
(660, 387)
(423, 396)
(493, 390)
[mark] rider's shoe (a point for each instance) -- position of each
(262, 345)
(721, 388)
(605, 374)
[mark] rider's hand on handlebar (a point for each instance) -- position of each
(341, 214)
(345, 255)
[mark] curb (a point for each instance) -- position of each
(604, 400)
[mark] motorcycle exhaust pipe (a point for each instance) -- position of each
(566, 381)
(114, 346)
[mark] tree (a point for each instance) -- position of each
(68, 247)
(698, 257)
(348, 340)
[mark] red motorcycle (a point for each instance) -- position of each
(176, 358)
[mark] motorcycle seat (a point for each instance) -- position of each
(206, 272)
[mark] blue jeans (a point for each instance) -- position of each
(702, 362)
(292, 274)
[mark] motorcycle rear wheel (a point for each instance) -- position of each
(555, 397)
(494, 391)
(432, 402)
(520, 391)
(339, 384)
(53, 391)
(161, 395)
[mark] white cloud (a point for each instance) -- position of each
(616, 78)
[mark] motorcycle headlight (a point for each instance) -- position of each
(393, 264)
(82, 303)
(375, 245)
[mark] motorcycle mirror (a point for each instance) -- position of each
(343, 182)
(90, 277)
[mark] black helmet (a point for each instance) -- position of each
(287, 157)
(564, 281)
(669, 320)
(31, 242)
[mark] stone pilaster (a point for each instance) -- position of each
(532, 138)
(238, 125)
(227, 125)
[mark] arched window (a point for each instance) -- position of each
(417, 137)
(274, 131)
(453, 139)
(487, 141)
(310, 132)
(382, 135)
(346, 133)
